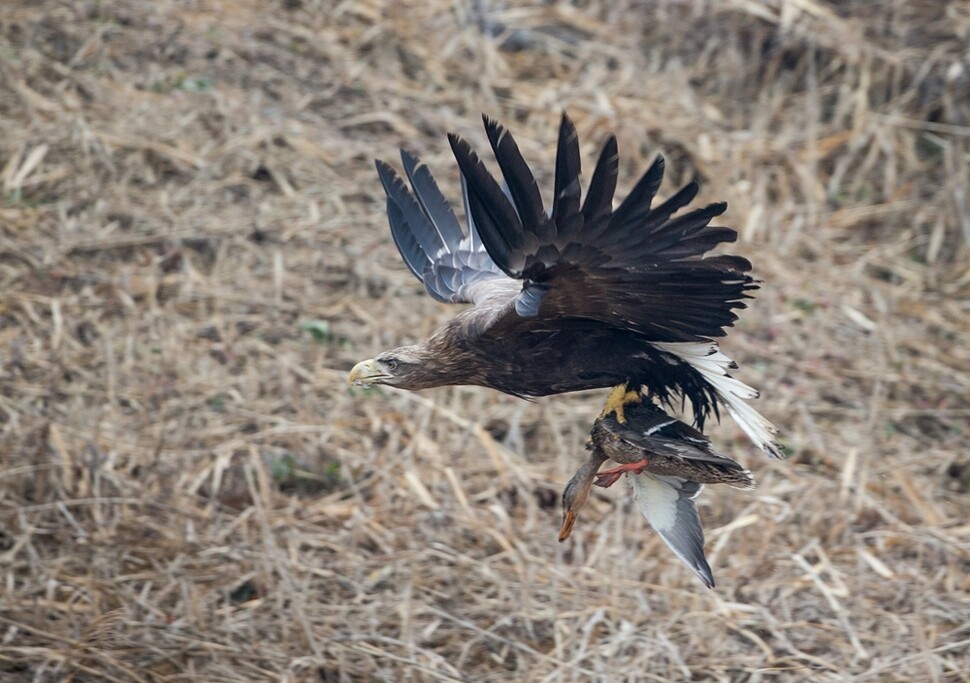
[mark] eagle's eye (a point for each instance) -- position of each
(391, 364)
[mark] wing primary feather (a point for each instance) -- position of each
(681, 232)
(414, 218)
(658, 216)
(636, 206)
(432, 201)
(699, 244)
(565, 202)
(495, 218)
(411, 252)
(602, 186)
(474, 241)
(523, 190)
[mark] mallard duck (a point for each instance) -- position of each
(668, 463)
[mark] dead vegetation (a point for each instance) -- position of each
(194, 251)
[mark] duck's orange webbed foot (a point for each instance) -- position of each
(607, 478)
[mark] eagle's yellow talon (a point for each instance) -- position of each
(620, 397)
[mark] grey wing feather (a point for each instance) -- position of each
(436, 208)
(412, 253)
(667, 503)
(413, 219)
(471, 277)
(474, 241)
(453, 268)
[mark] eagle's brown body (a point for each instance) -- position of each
(539, 359)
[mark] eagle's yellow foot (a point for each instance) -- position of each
(607, 478)
(620, 397)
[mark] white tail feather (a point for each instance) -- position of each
(708, 359)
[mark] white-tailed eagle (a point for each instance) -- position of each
(581, 296)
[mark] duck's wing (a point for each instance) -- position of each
(667, 503)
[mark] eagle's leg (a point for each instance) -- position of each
(607, 478)
(621, 396)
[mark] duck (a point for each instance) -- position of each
(668, 462)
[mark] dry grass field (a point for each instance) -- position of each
(194, 251)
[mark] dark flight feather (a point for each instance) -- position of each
(523, 190)
(565, 201)
(636, 207)
(602, 186)
(490, 208)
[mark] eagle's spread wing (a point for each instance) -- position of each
(454, 268)
(634, 268)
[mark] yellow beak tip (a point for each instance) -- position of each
(362, 372)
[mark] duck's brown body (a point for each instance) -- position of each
(652, 441)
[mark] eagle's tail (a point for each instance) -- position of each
(713, 365)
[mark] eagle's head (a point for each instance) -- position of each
(404, 367)
(443, 359)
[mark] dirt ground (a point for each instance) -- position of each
(194, 251)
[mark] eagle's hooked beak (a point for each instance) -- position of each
(366, 372)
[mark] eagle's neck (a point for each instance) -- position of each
(449, 358)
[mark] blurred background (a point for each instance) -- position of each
(194, 251)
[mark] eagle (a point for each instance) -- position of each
(580, 296)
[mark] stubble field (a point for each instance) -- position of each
(193, 252)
